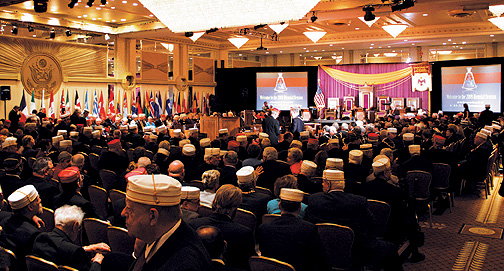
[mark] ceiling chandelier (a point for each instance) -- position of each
(314, 35)
(394, 29)
(497, 11)
(196, 15)
(369, 23)
(238, 41)
(278, 27)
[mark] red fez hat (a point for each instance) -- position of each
(114, 143)
(312, 141)
(80, 125)
(69, 174)
(439, 139)
(373, 136)
(7, 121)
(135, 172)
(233, 143)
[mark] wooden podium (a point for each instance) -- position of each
(212, 125)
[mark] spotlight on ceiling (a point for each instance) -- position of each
(261, 48)
(107, 37)
(189, 34)
(14, 30)
(30, 28)
(90, 3)
(313, 17)
(40, 6)
(68, 33)
(72, 3)
(103, 2)
(259, 26)
(369, 16)
(404, 4)
(52, 34)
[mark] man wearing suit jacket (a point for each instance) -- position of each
(59, 246)
(271, 126)
(152, 215)
(291, 239)
(335, 206)
(272, 169)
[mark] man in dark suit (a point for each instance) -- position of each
(291, 239)
(20, 230)
(335, 206)
(42, 174)
(14, 116)
(486, 116)
(239, 238)
(152, 215)
(355, 173)
(228, 172)
(59, 246)
(416, 162)
(216, 246)
(12, 166)
(297, 122)
(473, 167)
(71, 183)
(251, 200)
(272, 169)
(271, 126)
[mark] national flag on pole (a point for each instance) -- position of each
(179, 105)
(102, 107)
(319, 97)
(146, 105)
(152, 106)
(62, 103)
(134, 109)
(125, 105)
(96, 109)
(32, 104)
(195, 103)
(86, 104)
(118, 105)
(168, 107)
(77, 103)
(22, 108)
(67, 102)
(111, 106)
(51, 112)
(42, 105)
(158, 106)
(139, 102)
(189, 100)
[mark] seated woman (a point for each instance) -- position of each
(211, 179)
(287, 181)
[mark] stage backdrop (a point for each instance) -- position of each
(397, 89)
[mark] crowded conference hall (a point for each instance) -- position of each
(288, 135)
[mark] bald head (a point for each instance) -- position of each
(176, 169)
(77, 161)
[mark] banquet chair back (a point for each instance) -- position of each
(96, 230)
(120, 241)
(337, 241)
(38, 264)
(260, 263)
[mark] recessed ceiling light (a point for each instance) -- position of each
(151, 15)
(94, 19)
(405, 40)
(372, 44)
(304, 48)
(99, 18)
(267, 52)
(444, 43)
(388, 46)
(307, 51)
(449, 39)
(357, 28)
(343, 48)
(464, 42)
(112, 7)
(412, 44)
(85, 15)
(425, 14)
(113, 20)
(323, 50)
(34, 35)
(123, 20)
(314, 50)
(281, 52)
(135, 4)
(492, 36)
(98, 8)
(330, 45)
(79, 16)
(125, 2)
(371, 47)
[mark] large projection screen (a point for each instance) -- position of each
(475, 85)
(282, 90)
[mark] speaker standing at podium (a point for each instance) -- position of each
(14, 116)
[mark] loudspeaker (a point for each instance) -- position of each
(5, 94)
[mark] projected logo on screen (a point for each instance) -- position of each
(282, 90)
(475, 86)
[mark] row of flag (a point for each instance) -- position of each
(182, 102)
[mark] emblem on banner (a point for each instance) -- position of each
(421, 78)
(41, 71)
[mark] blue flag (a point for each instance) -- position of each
(95, 105)
(86, 104)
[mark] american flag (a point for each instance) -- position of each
(319, 97)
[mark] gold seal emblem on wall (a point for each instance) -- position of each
(41, 71)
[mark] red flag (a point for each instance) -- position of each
(102, 107)
(51, 106)
(62, 104)
(139, 102)
(111, 107)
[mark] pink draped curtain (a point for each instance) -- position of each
(334, 89)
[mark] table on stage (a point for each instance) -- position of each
(212, 125)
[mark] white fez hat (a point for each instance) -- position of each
(205, 142)
(65, 143)
(132, 127)
(241, 138)
(222, 152)
(73, 134)
(355, 155)
(496, 126)
(183, 142)
(333, 163)
(89, 129)
(177, 132)
(482, 135)
(392, 130)
(160, 190)
(308, 166)
(212, 151)
(408, 137)
(161, 128)
(290, 194)
(123, 127)
(96, 134)
(414, 149)
(333, 141)
(22, 197)
(56, 139)
(163, 151)
(10, 141)
(304, 134)
(379, 166)
(188, 150)
(245, 174)
(193, 130)
(366, 146)
(223, 131)
(189, 192)
(61, 132)
(333, 175)
(263, 135)
(486, 132)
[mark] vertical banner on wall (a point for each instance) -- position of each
(421, 77)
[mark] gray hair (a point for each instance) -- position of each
(41, 164)
(211, 178)
(66, 215)
(143, 161)
(270, 153)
